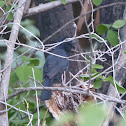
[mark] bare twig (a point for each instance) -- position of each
(47, 6)
(66, 89)
(44, 121)
(51, 5)
(37, 100)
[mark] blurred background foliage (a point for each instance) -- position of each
(21, 71)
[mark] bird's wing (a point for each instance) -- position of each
(55, 65)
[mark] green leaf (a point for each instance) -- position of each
(86, 76)
(27, 22)
(2, 44)
(10, 16)
(66, 117)
(31, 100)
(6, 1)
(97, 84)
(97, 66)
(23, 72)
(94, 36)
(29, 25)
(119, 87)
(112, 37)
(7, 9)
(12, 5)
(124, 52)
(91, 115)
(107, 25)
(118, 24)
(42, 115)
(122, 122)
(13, 77)
(19, 122)
(0, 14)
(101, 29)
(97, 2)
(10, 90)
(64, 2)
(33, 30)
(109, 79)
(2, 3)
(34, 61)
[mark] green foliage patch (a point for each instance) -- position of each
(97, 2)
(111, 31)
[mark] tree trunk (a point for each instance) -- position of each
(113, 13)
(52, 20)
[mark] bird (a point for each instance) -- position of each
(55, 66)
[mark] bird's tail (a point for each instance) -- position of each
(46, 95)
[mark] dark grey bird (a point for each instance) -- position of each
(55, 66)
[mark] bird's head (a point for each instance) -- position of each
(67, 45)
